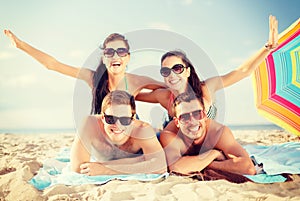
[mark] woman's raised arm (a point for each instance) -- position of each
(50, 62)
(250, 64)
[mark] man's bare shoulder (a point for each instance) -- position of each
(215, 126)
(142, 130)
(219, 129)
(220, 134)
(167, 137)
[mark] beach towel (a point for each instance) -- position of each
(57, 171)
(273, 164)
(276, 160)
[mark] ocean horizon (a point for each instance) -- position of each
(73, 130)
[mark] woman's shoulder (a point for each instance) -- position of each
(87, 75)
(136, 80)
(140, 78)
(134, 76)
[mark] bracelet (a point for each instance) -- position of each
(270, 47)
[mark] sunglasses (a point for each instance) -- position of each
(125, 121)
(110, 52)
(186, 117)
(177, 68)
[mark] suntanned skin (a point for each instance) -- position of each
(116, 145)
(116, 75)
(213, 84)
(203, 143)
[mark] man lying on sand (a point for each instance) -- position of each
(202, 142)
(118, 143)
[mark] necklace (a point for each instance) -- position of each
(126, 86)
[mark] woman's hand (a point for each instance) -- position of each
(92, 169)
(273, 33)
(14, 40)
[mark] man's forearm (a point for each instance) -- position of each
(123, 161)
(153, 165)
(188, 164)
(238, 165)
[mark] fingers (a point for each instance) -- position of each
(276, 31)
(232, 156)
(270, 22)
(273, 32)
(6, 32)
(14, 40)
(85, 169)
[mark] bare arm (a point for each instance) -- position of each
(79, 155)
(149, 83)
(150, 97)
(238, 160)
(156, 96)
(50, 62)
(249, 65)
(152, 161)
(189, 164)
(185, 164)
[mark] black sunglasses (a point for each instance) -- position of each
(197, 114)
(125, 121)
(177, 68)
(110, 52)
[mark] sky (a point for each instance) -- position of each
(227, 31)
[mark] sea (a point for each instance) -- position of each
(73, 130)
(256, 127)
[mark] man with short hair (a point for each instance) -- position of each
(116, 141)
(202, 142)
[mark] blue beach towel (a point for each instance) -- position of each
(57, 171)
(276, 160)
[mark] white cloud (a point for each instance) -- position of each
(6, 55)
(76, 54)
(187, 2)
(247, 42)
(21, 81)
(209, 3)
(234, 61)
(160, 25)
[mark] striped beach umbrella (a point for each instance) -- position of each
(277, 82)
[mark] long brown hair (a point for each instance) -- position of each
(194, 83)
(100, 78)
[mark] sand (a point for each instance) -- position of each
(22, 156)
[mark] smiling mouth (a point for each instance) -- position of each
(194, 128)
(174, 81)
(116, 64)
(116, 132)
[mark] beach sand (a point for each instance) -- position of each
(22, 155)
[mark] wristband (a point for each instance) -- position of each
(269, 46)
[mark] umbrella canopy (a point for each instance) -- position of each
(277, 82)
